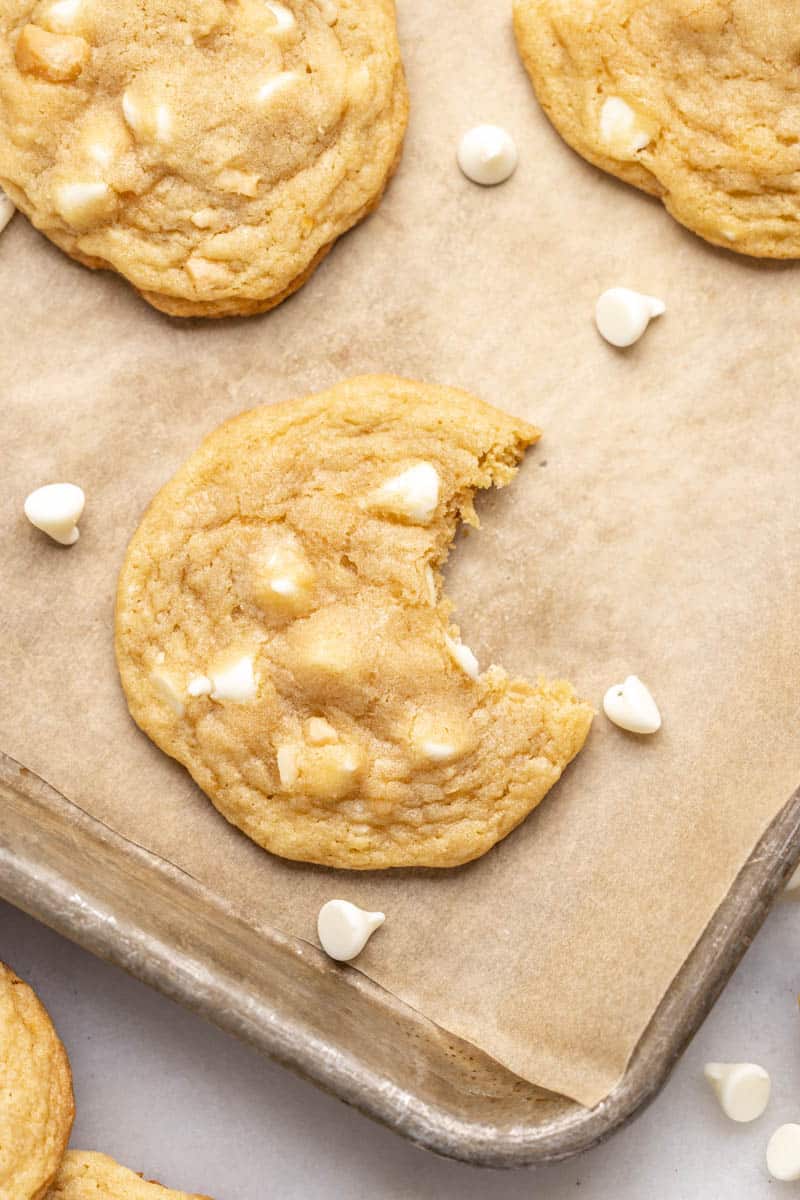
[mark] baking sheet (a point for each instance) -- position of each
(655, 529)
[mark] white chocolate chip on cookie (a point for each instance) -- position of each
(284, 18)
(82, 203)
(320, 732)
(622, 130)
(7, 210)
(462, 656)
(276, 84)
(62, 16)
(286, 758)
(199, 685)
(56, 509)
(412, 495)
(344, 929)
(330, 771)
(235, 681)
(57, 57)
(166, 687)
(283, 578)
(150, 120)
(240, 183)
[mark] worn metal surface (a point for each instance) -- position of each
(329, 1023)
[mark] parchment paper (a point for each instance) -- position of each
(655, 529)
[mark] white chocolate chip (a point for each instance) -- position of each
(56, 509)
(284, 19)
(241, 183)
(438, 751)
(783, 1154)
(199, 685)
(463, 657)
(329, 772)
(631, 706)
(621, 128)
(206, 271)
(794, 882)
(344, 929)
(150, 122)
(235, 682)
(83, 203)
(487, 155)
(283, 578)
(166, 688)
(7, 210)
(275, 84)
(287, 765)
(57, 57)
(741, 1088)
(320, 732)
(61, 16)
(622, 315)
(430, 584)
(204, 218)
(412, 495)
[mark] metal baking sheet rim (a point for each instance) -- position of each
(126, 905)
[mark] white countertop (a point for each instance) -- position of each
(167, 1094)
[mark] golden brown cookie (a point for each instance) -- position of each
(281, 631)
(210, 151)
(88, 1176)
(698, 104)
(36, 1104)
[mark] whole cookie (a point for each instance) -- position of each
(87, 1176)
(281, 631)
(698, 104)
(211, 151)
(36, 1105)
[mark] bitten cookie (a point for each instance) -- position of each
(210, 151)
(86, 1176)
(698, 104)
(281, 631)
(36, 1104)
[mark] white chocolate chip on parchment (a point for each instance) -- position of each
(56, 509)
(741, 1088)
(622, 315)
(487, 155)
(236, 681)
(783, 1154)
(631, 706)
(622, 129)
(344, 929)
(413, 495)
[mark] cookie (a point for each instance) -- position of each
(36, 1104)
(87, 1176)
(211, 152)
(282, 632)
(697, 104)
